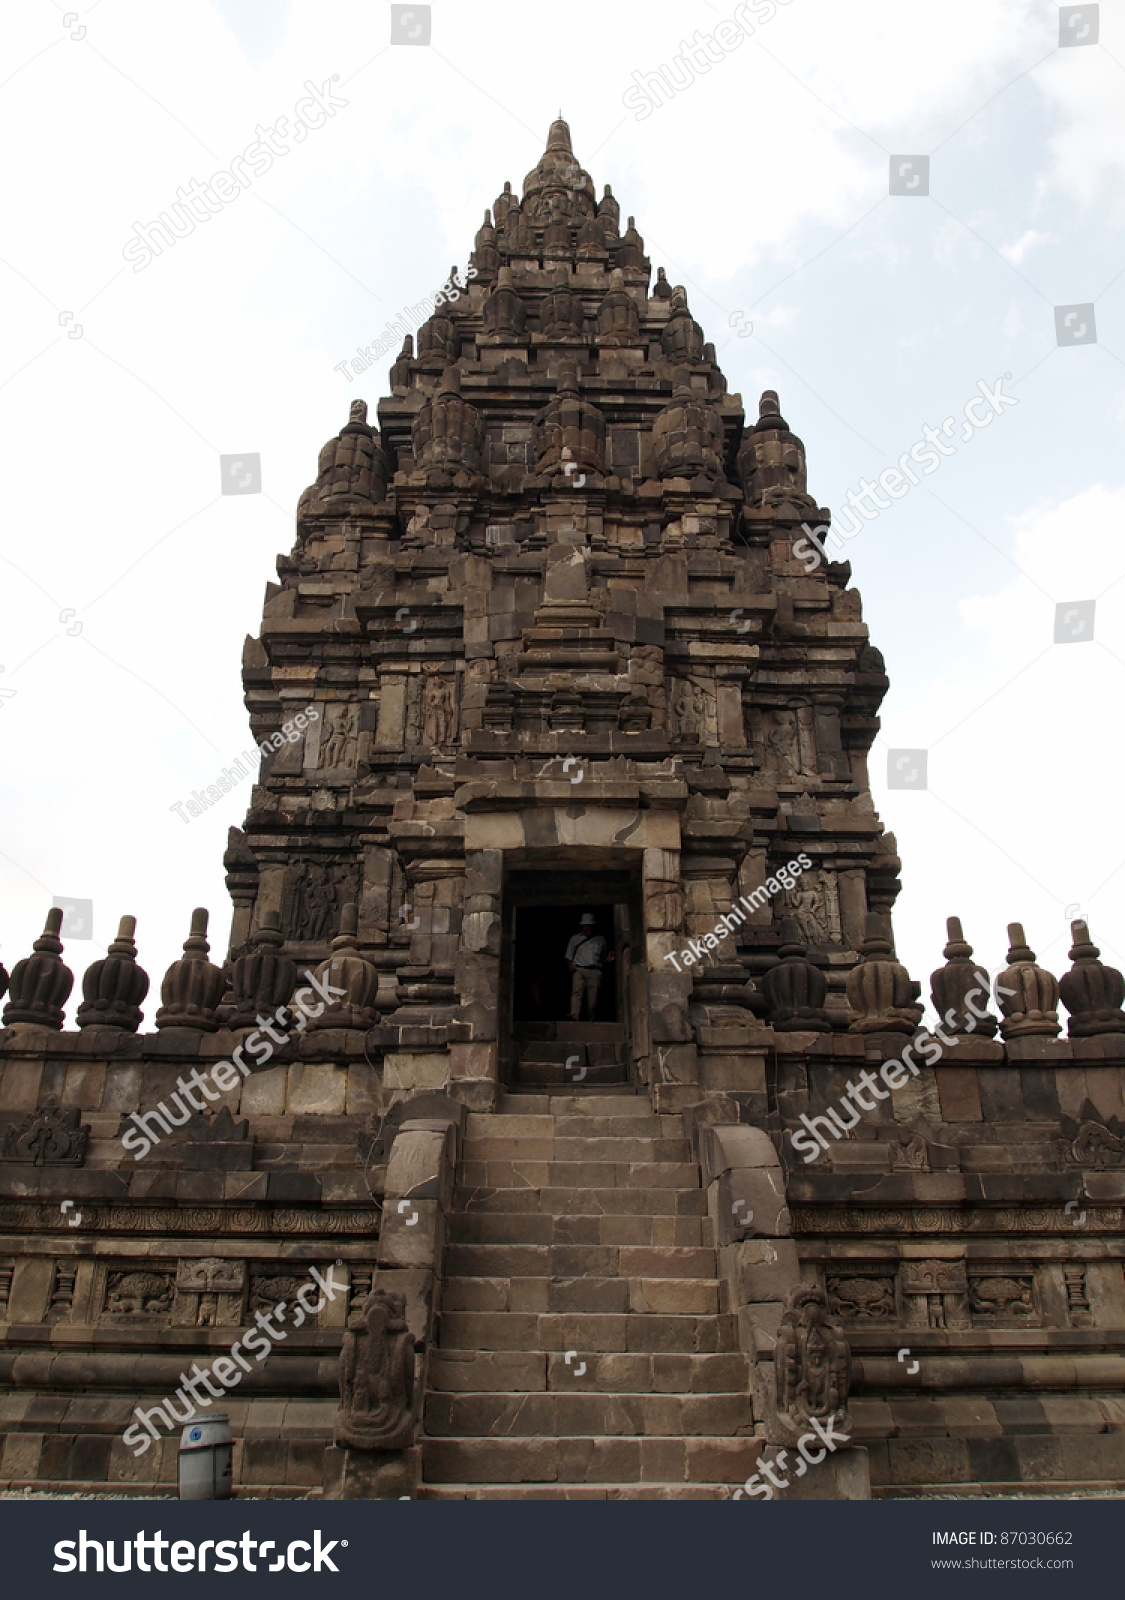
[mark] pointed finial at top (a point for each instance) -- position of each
(956, 944)
(559, 136)
(769, 412)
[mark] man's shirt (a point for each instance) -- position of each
(586, 950)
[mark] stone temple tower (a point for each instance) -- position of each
(615, 1143)
(564, 660)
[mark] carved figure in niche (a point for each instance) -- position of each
(812, 1360)
(337, 746)
(689, 706)
(439, 710)
(807, 905)
(316, 895)
(783, 746)
(377, 1376)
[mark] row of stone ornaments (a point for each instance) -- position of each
(256, 988)
(883, 996)
(449, 435)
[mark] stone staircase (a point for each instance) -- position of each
(584, 1351)
(564, 1055)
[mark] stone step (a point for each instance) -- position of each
(586, 1332)
(573, 1261)
(524, 1172)
(565, 1030)
(579, 1104)
(574, 1491)
(593, 1459)
(587, 1088)
(540, 1371)
(584, 1147)
(573, 1201)
(541, 1227)
(593, 1075)
(582, 1055)
(530, 1123)
(558, 1415)
(672, 1296)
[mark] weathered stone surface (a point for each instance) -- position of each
(544, 643)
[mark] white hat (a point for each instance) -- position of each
(588, 917)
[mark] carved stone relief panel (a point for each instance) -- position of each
(693, 712)
(138, 1295)
(315, 895)
(935, 1294)
(862, 1295)
(815, 903)
(209, 1293)
(1002, 1299)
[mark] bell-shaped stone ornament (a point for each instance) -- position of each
(687, 435)
(262, 980)
(1090, 991)
(354, 983)
(505, 315)
(114, 988)
(486, 255)
(448, 432)
(351, 476)
(881, 992)
(618, 320)
(682, 339)
(960, 989)
(771, 460)
(795, 988)
(570, 431)
(1028, 995)
(193, 988)
(41, 983)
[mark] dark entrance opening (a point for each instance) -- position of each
(540, 1044)
(542, 980)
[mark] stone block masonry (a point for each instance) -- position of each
(555, 652)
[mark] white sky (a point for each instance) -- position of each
(764, 189)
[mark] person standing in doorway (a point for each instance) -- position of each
(586, 956)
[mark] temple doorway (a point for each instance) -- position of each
(542, 1043)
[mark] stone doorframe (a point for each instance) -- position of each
(643, 841)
